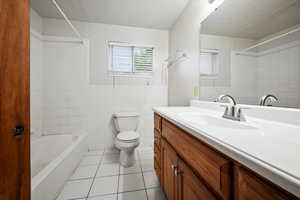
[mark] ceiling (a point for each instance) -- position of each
(158, 14)
(253, 19)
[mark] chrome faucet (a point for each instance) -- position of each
(271, 97)
(231, 112)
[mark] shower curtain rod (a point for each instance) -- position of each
(67, 20)
(271, 39)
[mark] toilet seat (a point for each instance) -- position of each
(128, 136)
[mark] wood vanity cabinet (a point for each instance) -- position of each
(250, 186)
(169, 163)
(157, 147)
(189, 169)
(180, 182)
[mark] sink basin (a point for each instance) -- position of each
(206, 120)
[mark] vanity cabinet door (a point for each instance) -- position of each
(190, 187)
(169, 165)
(249, 186)
(208, 164)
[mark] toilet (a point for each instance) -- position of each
(127, 138)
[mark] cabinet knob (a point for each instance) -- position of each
(173, 167)
(177, 172)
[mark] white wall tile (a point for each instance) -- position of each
(69, 101)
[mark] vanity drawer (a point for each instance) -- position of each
(210, 165)
(157, 122)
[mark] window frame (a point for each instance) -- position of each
(216, 70)
(110, 70)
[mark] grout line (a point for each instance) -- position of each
(103, 195)
(76, 198)
(118, 182)
(144, 182)
(79, 179)
(99, 164)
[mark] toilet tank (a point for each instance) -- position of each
(125, 121)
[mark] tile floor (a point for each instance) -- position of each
(99, 176)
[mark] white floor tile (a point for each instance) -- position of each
(90, 160)
(136, 168)
(111, 158)
(111, 151)
(131, 182)
(95, 153)
(104, 185)
(150, 179)
(147, 165)
(145, 149)
(146, 156)
(108, 169)
(137, 195)
(105, 197)
(75, 189)
(82, 172)
(155, 194)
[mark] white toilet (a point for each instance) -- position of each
(127, 138)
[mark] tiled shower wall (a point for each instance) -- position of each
(71, 104)
(78, 98)
(279, 74)
(36, 85)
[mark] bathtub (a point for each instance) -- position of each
(53, 160)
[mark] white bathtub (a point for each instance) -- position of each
(53, 160)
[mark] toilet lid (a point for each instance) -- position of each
(128, 136)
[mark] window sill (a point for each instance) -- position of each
(209, 76)
(132, 75)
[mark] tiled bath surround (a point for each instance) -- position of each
(69, 96)
(99, 176)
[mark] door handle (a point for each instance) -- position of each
(18, 131)
(177, 172)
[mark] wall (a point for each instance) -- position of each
(184, 35)
(36, 76)
(36, 21)
(65, 88)
(237, 73)
(279, 74)
(99, 36)
(276, 70)
(74, 101)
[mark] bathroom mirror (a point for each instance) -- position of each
(249, 49)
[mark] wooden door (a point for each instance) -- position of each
(169, 166)
(14, 100)
(190, 187)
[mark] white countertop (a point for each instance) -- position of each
(271, 149)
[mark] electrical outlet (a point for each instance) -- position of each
(196, 91)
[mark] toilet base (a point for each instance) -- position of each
(127, 158)
(127, 152)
